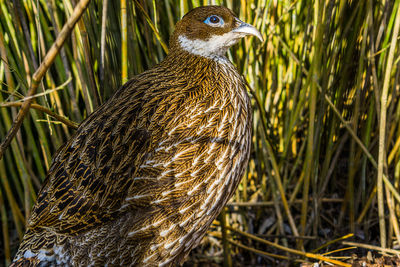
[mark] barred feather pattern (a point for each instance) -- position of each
(146, 174)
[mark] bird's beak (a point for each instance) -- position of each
(247, 29)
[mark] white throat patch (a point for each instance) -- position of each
(213, 48)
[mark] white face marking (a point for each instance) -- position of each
(214, 48)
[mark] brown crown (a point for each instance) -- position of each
(193, 27)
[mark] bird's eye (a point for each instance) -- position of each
(214, 21)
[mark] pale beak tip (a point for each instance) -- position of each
(257, 34)
(248, 29)
(260, 37)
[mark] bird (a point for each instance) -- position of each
(144, 175)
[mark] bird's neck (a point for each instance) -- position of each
(185, 59)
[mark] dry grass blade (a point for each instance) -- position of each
(257, 251)
(164, 46)
(332, 242)
(293, 251)
(382, 131)
(124, 41)
(372, 247)
(103, 43)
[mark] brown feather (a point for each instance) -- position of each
(145, 174)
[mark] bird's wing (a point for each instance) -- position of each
(90, 175)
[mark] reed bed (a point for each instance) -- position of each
(325, 89)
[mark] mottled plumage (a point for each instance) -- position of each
(146, 173)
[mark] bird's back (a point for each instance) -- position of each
(145, 175)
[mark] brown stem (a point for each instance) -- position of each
(60, 118)
(40, 72)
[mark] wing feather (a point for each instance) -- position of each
(91, 173)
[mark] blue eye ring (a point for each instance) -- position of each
(214, 21)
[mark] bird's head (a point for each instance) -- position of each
(209, 31)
